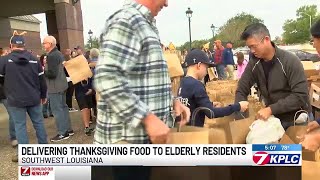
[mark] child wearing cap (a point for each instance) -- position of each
(192, 92)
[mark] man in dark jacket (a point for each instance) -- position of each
(228, 61)
(57, 86)
(3, 100)
(25, 88)
(279, 75)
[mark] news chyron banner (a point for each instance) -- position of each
(63, 161)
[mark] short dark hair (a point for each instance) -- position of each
(315, 29)
(256, 29)
(18, 45)
(240, 56)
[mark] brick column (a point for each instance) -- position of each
(69, 25)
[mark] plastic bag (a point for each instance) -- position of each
(265, 132)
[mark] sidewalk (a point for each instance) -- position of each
(8, 169)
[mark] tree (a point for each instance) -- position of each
(277, 40)
(297, 31)
(231, 31)
(195, 44)
(95, 43)
(233, 28)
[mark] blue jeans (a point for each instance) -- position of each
(12, 131)
(221, 71)
(60, 112)
(20, 119)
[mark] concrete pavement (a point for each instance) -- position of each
(8, 169)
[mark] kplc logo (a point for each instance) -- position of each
(263, 158)
(25, 171)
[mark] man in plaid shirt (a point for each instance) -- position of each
(133, 82)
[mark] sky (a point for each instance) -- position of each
(173, 23)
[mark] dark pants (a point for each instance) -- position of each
(94, 105)
(69, 94)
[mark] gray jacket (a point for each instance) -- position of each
(55, 75)
(287, 90)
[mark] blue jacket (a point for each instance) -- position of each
(192, 93)
(227, 57)
(23, 79)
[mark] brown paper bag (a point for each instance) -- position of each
(175, 85)
(174, 66)
(189, 135)
(239, 130)
(310, 170)
(220, 133)
(293, 135)
(226, 130)
(78, 69)
(186, 135)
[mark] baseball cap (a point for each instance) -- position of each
(17, 39)
(195, 56)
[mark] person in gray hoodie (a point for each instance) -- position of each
(57, 86)
(278, 74)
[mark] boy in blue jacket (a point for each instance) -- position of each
(192, 92)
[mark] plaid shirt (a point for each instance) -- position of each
(131, 77)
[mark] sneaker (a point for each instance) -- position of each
(14, 143)
(88, 131)
(51, 115)
(59, 137)
(72, 110)
(15, 158)
(70, 132)
(45, 116)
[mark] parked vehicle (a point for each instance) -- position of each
(305, 56)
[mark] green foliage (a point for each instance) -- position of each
(95, 43)
(195, 44)
(230, 31)
(233, 28)
(297, 30)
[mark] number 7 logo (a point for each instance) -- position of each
(261, 158)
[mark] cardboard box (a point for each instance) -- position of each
(314, 94)
(309, 68)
